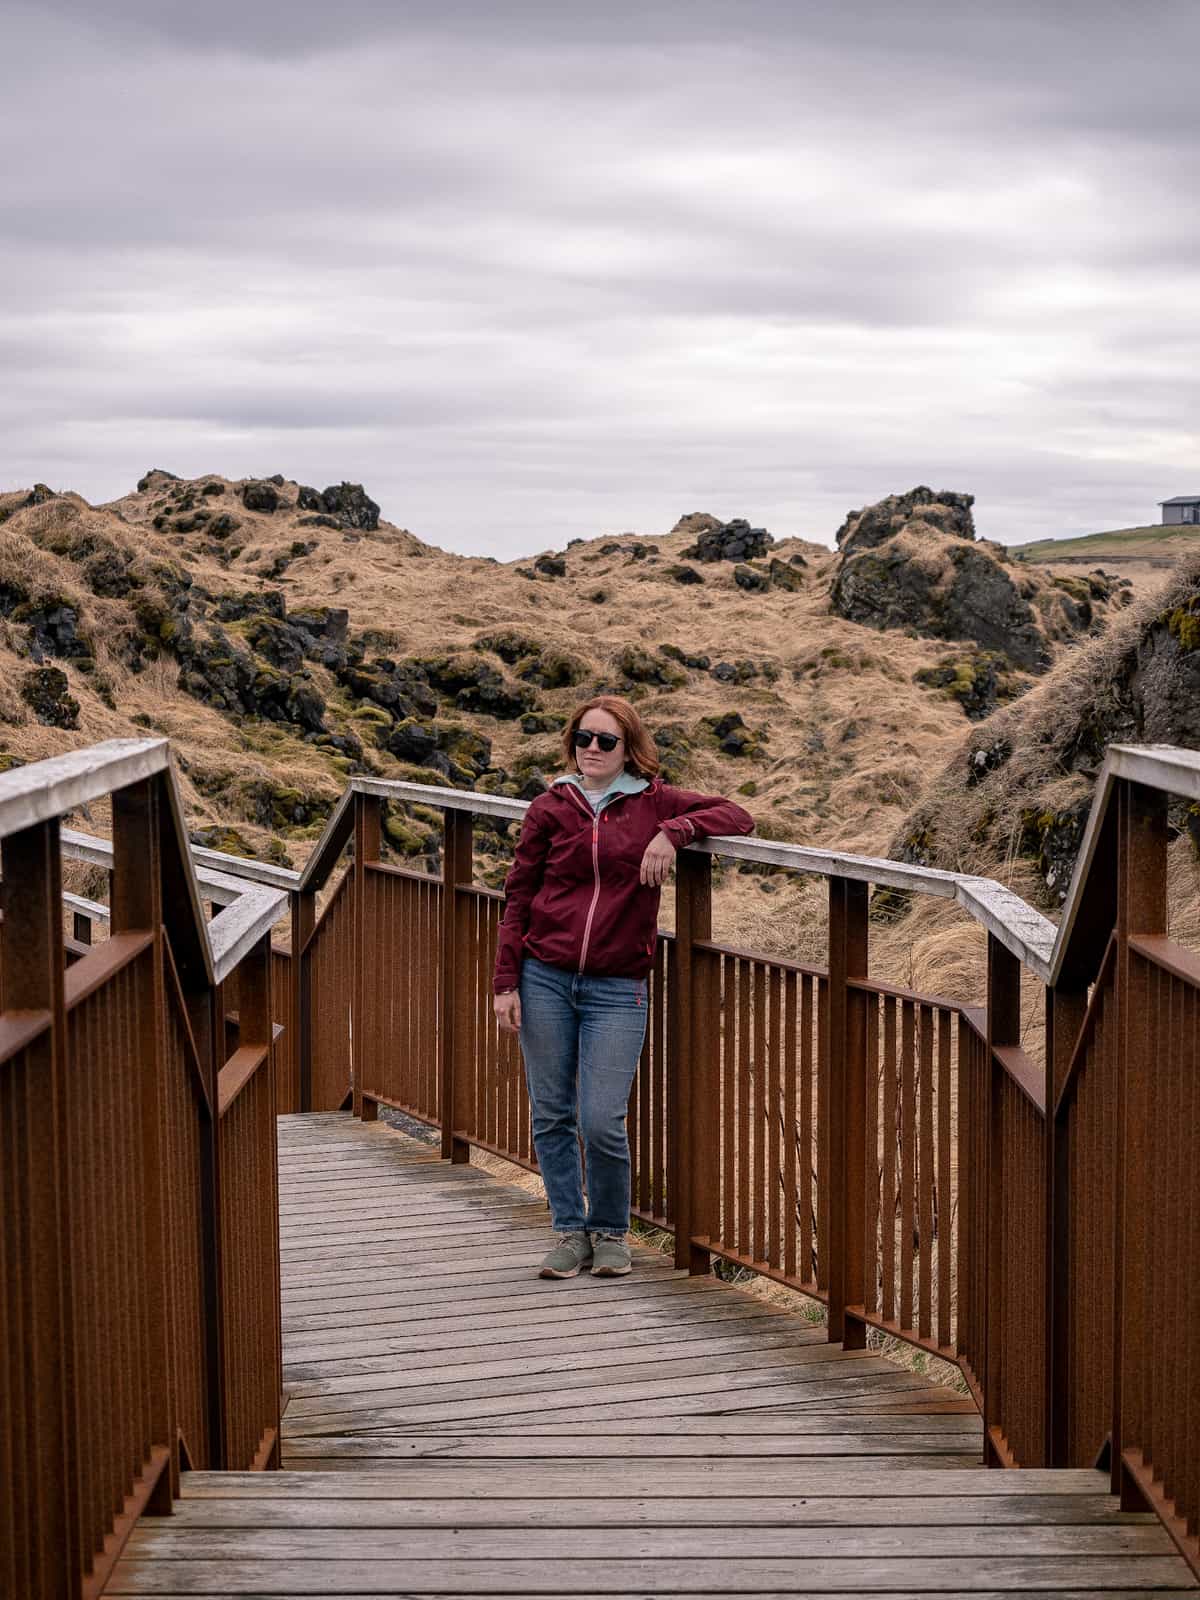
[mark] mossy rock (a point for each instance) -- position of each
(281, 644)
(279, 806)
(412, 740)
(1053, 839)
(232, 842)
(750, 579)
(685, 658)
(783, 575)
(552, 669)
(1183, 624)
(474, 685)
(543, 757)
(260, 496)
(979, 682)
(465, 747)
(110, 575)
(54, 627)
(403, 837)
(499, 783)
(46, 691)
(732, 737)
(375, 721)
(457, 752)
(741, 671)
(637, 666)
(543, 722)
(411, 774)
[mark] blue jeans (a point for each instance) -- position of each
(581, 1038)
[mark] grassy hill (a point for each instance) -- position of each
(285, 638)
(1158, 542)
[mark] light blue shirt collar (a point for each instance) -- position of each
(623, 783)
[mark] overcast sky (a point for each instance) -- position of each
(531, 271)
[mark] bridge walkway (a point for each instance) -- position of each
(457, 1426)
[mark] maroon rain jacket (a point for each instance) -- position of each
(573, 897)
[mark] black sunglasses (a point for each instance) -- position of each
(606, 741)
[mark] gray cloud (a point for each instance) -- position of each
(534, 270)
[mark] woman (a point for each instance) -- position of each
(576, 942)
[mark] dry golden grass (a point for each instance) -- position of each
(852, 740)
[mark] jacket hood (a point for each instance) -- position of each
(623, 783)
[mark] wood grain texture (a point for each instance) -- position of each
(455, 1425)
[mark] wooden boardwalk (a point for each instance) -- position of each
(457, 1426)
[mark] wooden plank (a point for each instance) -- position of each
(175, 1542)
(532, 1358)
(572, 1444)
(566, 1376)
(616, 1575)
(759, 1594)
(714, 1391)
(536, 1330)
(648, 1331)
(517, 1292)
(680, 1479)
(317, 1504)
(765, 1423)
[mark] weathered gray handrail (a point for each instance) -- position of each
(47, 789)
(1020, 927)
(1024, 930)
(248, 910)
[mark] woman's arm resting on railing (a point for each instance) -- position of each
(522, 883)
(687, 816)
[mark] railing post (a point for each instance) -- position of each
(304, 920)
(1003, 1028)
(693, 1124)
(206, 1018)
(137, 904)
(455, 1007)
(367, 830)
(46, 1489)
(1141, 909)
(848, 908)
(1065, 1013)
(255, 1027)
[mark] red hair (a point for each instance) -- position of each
(641, 754)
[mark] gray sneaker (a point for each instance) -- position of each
(611, 1258)
(570, 1255)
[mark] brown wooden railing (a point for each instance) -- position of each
(897, 1156)
(138, 1220)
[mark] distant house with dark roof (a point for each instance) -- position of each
(1184, 508)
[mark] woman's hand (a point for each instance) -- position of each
(658, 860)
(508, 1011)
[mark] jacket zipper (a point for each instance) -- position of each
(587, 927)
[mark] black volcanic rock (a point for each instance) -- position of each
(947, 510)
(729, 541)
(45, 691)
(260, 495)
(352, 504)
